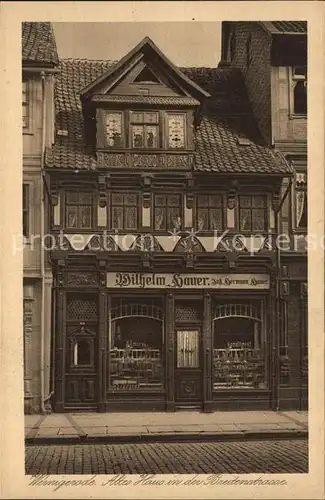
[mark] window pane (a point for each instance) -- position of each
(131, 218)
(245, 201)
(259, 201)
(215, 219)
(72, 216)
(72, 198)
(215, 201)
(300, 98)
(176, 132)
(203, 200)
(130, 199)
(83, 353)
(173, 200)
(25, 196)
(152, 137)
(25, 224)
(160, 219)
(114, 129)
(137, 117)
(85, 217)
(173, 218)
(245, 219)
(160, 200)
(151, 117)
(203, 219)
(117, 217)
(117, 198)
(258, 217)
(137, 136)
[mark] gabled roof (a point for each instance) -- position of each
(38, 44)
(146, 45)
(227, 139)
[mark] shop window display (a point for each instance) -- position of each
(136, 341)
(238, 348)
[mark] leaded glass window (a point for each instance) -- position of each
(124, 210)
(79, 210)
(167, 212)
(176, 131)
(144, 130)
(114, 130)
(209, 212)
(252, 213)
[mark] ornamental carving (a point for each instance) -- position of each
(189, 244)
(178, 161)
(82, 278)
(146, 243)
(231, 244)
(144, 160)
(111, 160)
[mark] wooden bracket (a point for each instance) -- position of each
(190, 194)
(102, 186)
(146, 195)
(54, 192)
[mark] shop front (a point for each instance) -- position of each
(165, 342)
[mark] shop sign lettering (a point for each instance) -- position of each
(186, 281)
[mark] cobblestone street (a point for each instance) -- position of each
(282, 456)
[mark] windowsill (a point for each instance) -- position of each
(296, 116)
(302, 231)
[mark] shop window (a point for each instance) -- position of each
(26, 210)
(167, 212)
(176, 131)
(25, 104)
(144, 130)
(136, 347)
(299, 81)
(114, 135)
(238, 347)
(252, 213)
(78, 210)
(209, 212)
(124, 211)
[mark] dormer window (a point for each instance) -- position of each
(144, 130)
(114, 137)
(146, 76)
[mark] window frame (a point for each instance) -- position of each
(144, 124)
(181, 211)
(93, 215)
(137, 206)
(293, 80)
(222, 209)
(251, 208)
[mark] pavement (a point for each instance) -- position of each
(66, 428)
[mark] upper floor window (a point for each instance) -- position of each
(79, 210)
(114, 135)
(176, 131)
(25, 104)
(209, 212)
(26, 210)
(124, 210)
(144, 130)
(299, 77)
(252, 213)
(167, 212)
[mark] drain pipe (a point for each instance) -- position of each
(42, 256)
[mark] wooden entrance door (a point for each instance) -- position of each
(188, 369)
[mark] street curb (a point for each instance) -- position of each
(167, 438)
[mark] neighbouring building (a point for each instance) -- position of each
(39, 63)
(272, 57)
(164, 192)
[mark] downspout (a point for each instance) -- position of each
(278, 267)
(42, 256)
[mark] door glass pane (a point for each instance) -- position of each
(187, 349)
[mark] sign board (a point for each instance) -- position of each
(188, 281)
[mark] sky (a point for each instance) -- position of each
(184, 43)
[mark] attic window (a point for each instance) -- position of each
(146, 76)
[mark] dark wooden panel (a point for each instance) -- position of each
(188, 386)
